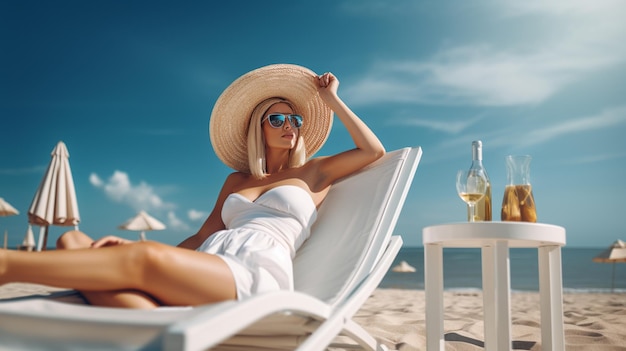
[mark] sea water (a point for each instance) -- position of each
(462, 270)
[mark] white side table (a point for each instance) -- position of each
(494, 239)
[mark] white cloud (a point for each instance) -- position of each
(588, 28)
(583, 38)
(476, 75)
(561, 7)
(196, 215)
(175, 223)
(450, 127)
(596, 158)
(95, 180)
(140, 197)
(608, 118)
(605, 119)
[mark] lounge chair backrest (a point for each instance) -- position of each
(354, 225)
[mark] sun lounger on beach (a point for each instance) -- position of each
(350, 250)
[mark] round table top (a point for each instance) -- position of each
(479, 234)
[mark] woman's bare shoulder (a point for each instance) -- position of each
(237, 177)
(235, 180)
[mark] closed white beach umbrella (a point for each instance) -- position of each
(28, 243)
(55, 201)
(613, 254)
(142, 222)
(6, 209)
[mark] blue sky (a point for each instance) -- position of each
(129, 87)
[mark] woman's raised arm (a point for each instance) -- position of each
(368, 147)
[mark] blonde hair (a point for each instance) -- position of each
(256, 140)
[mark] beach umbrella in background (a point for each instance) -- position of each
(403, 267)
(6, 210)
(142, 222)
(28, 244)
(613, 254)
(55, 201)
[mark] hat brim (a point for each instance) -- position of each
(228, 126)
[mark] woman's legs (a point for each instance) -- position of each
(172, 275)
(122, 298)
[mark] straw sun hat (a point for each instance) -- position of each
(228, 126)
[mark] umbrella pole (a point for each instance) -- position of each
(43, 238)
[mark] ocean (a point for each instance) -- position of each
(462, 270)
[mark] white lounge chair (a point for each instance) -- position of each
(350, 250)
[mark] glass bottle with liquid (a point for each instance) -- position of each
(518, 203)
(482, 209)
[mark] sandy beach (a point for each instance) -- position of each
(592, 321)
(396, 318)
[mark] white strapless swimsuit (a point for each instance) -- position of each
(262, 236)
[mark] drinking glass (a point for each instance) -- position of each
(471, 187)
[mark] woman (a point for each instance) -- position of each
(265, 125)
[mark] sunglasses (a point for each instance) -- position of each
(277, 120)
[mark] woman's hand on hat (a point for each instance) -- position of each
(327, 84)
